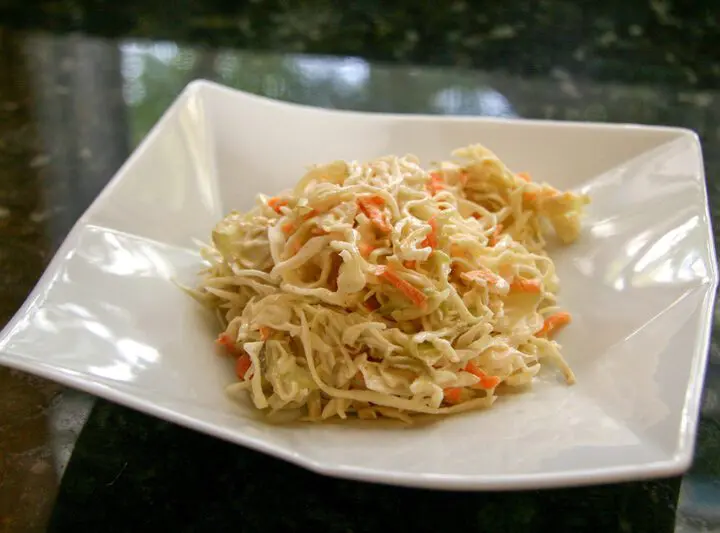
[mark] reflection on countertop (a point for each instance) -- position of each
(662, 42)
(71, 107)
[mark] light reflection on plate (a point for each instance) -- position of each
(107, 317)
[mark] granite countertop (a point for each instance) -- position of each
(656, 41)
(79, 87)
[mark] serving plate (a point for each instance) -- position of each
(107, 318)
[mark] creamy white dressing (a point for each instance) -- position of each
(381, 289)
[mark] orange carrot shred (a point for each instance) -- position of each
(490, 382)
(524, 176)
(276, 203)
(529, 196)
(224, 340)
(375, 200)
(371, 207)
(288, 227)
(495, 235)
(413, 294)
(311, 214)
(365, 249)
(553, 323)
(473, 369)
(242, 365)
(228, 344)
(532, 286)
(436, 183)
(411, 265)
(431, 239)
(480, 275)
(265, 332)
(452, 395)
(486, 382)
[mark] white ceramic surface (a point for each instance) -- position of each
(640, 283)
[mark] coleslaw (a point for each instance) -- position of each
(382, 289)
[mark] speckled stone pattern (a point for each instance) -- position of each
(151, 475)
(665, 41)
(27, 477)
(48, 176)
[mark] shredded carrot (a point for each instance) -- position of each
(374, 200)
(453, 395)
(431, 239)
(486, 382)
(529, 196)
(265, 332)
(223, 340)
(412, 265)
(473, 369)
(532, 286)
(490, 382)
(480, 275)
(311, 214)
(289, 227)
(243, 359)
(436, 183)
(371, 207)
(524, 176)
(495, 235)
(227, 343)
(275, 203)
(365, 249)
(553, 323)
(413, 294)
(242, 365)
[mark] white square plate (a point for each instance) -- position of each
(107, 319)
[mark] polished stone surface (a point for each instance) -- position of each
(656, 41)
(71, 107)
(132, 473)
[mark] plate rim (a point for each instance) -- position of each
(677, 464)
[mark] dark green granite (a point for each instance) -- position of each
(72, 106)
(147, 473)
(134, 473)
(659, 41)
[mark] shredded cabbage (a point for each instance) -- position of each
(381, 289)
